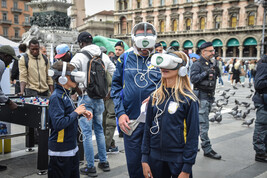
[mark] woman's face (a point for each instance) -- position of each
(168, 74)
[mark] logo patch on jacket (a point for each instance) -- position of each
(173, 106)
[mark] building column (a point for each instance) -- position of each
(224, 48)
(258, 52)
(240, 52)
(194, 49)
(234, 51)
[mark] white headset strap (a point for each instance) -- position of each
(64, 69)
(187, 59)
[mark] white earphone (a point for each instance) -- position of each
(63, 79)
(144, 40)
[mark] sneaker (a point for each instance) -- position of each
(96, 158)
(89, 171)
(113, 150)
(104, 166)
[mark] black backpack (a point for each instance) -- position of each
(97, 85)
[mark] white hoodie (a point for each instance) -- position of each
(80, 60)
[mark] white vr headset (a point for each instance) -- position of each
(144, 40)
(75, 76)
(170, 61)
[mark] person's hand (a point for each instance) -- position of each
(183, 175)
(12, 105)
(146, 100)
(80, 109)
(146, 171)
(123, 123)
(88, 115)
(12, 81)
(74, 97)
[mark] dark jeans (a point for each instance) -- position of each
(31, 92)
(17, 87)
(260, 130)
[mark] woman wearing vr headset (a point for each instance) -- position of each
(170, 140)
(63, 120)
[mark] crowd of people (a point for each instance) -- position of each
(161, 142)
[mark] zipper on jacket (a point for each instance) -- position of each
(38, 75)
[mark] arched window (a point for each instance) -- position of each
(125, 5)
(251, 19)
(234, 21)
(138, 3)
(150, 3)
(162, 26)
(174, 25)
(123, 25)
(217, 22)
(120, 5)
(162, 2)
(188, 24)
(202, 23)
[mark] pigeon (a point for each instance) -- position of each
(233, 93)
(233, 113)
(243, 85)
(225, 103)
(212, 119)
(249, 96)
(248, 122)
(249, 85)
(216, 109)
(247, 105)
(227, 90)
(251, 90)
(237, 102)
(218, 118)
(235, 108)
(247, 112)
(238, 115)
(244, 103)
(227, 97)
(223, 94)
(244, 115)
(234, 87)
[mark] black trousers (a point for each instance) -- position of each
(64, 167)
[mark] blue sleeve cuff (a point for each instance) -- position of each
(187, 168)
(144, 158)
(120, 113)
(74, 115)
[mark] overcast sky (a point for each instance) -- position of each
(98, 5)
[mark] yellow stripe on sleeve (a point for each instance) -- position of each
(60, 136)
(185, 130)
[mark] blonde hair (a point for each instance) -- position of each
(182, 86)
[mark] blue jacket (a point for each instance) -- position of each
(177, 139)
(126, 95)
(260, 80)
(62, 121)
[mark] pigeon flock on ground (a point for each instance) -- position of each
(241, 109)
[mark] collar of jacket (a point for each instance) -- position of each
(204, 61)
(59, 87)
(33, 57)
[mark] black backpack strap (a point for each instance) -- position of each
(45, 58)
(26, 59)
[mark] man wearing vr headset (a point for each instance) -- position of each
(203, 76)
(133, 81)
(63, 121)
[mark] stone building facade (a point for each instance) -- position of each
(101, 23)
(15, 18)
(233, 26)
(77, 13)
